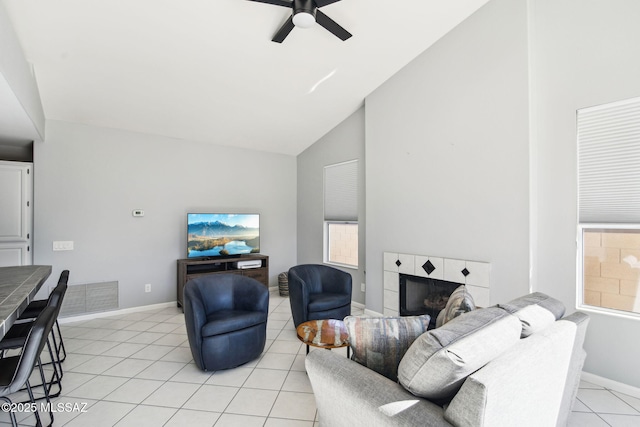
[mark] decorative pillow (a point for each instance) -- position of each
(459, 302)
(536, 311)
(438, 362)
(379, 343)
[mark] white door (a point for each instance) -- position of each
(16, 207)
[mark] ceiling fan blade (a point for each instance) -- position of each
(332, 26)
(284, 31)
(323, 3)
(283, 3)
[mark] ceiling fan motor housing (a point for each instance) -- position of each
(304, 6)
(304, 13)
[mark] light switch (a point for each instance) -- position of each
(60, 245)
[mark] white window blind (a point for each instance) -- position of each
(341, 192)
(609, 163)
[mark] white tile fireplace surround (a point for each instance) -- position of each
(475, 275)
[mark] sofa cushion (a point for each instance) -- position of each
(379, 343)
(460, 301)
(438, 362)
(536, 311)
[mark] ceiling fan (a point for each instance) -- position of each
(304, 14)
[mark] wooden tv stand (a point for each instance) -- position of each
(191, 268)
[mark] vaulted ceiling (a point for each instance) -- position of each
(207, 70)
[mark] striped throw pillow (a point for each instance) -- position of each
(379, 343)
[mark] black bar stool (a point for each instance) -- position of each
(16, 337)
(35, 308)
(16, 370)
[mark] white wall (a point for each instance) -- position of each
(345, 142)
(447, 153)
(21, 114)
(89, 179)
(585, 53)
(447, 137)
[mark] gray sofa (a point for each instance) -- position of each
(531, 380)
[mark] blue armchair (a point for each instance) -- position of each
(319, 292)
(226, 320)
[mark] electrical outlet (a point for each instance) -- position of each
(362, 287)
(147, 287)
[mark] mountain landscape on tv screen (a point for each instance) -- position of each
(217, 238)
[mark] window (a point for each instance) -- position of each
(342, 239)
(611, 268)
(609, 207)
(341, 214)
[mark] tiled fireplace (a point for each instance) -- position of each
(423, 270)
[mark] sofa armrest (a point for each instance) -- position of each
(348, 394)
(523, 387)
(578, 357)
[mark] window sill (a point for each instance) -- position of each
(608, 312)
(335, 264)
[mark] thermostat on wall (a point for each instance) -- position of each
(138, 212)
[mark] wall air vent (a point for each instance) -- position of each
(90, 298)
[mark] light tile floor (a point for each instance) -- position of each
(597, 406)
(136, 370)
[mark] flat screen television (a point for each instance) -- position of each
(222, 234)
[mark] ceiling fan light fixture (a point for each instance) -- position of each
(305, 14)
(304, 19)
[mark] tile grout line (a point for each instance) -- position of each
(624, 401)
(278, 334)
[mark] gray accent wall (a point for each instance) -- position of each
(345, 142)
(584, 53)
(447, 151)
(88, 180)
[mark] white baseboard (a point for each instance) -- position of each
(611, 384)
(372, 313)
(70, 319)
(357, 304)
(101, 314)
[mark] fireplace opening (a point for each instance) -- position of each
(424, 295)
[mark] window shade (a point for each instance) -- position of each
(609, 163)
(341, 192)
